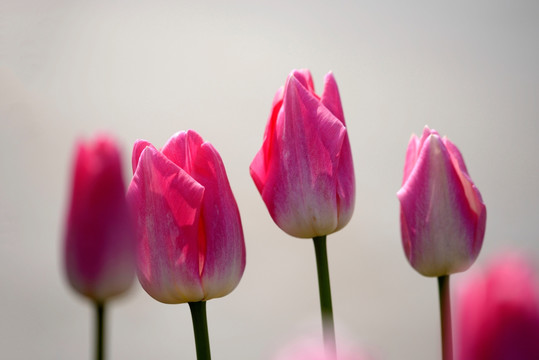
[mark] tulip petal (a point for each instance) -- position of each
(166, 203)
(182, 149)
(224, 257)
(331, 98)
(346, 185)
(436, 214)
(260, 164)
(345, 169)
(424, 136)
(411, 157)
(473, 195)
(138, 147)
(305, 78)
(301, 193)
(277, 99)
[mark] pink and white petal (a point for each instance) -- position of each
(166, 202)
(305, 78)
(346, 185)
(224, 257)
(456, 156)
(472, 193)
(345, 168)
(341, 179)
(412, 153)
(258, 172)
(426, 133)
(277, 99)
(260, 164)
(331, 98)
(138, 147)
(475, 201)
(182, 149)
(406, 238)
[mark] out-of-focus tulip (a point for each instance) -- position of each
(304, 170)
(99, 237)
(190, 240)
(498, 312)
(442, 214)
(309, 348)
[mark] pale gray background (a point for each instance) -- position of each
(149, 69)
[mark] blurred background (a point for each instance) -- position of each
(149, 69)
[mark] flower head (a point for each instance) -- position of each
(443, 216)
(304, 170)
(498, 311)
(190, 239)
(99, 236)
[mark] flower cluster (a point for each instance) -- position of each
(178, 226)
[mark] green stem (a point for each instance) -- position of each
(445, 317)
(99, 330)
(200, 327)
(325, 293)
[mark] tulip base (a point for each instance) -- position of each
(445, 317)
(324, 288)
(200, 328)
(99, 330)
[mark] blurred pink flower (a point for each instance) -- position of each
(498, 312)
(311, 348)
(443, 216)
(304, 170)
(190, 240)
(99, 237)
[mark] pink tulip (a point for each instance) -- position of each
(190, 239)
(499, 312)
(99, 238)
(304, 170)
(442, 214)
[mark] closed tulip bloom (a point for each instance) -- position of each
(190, 244)
(499, 312)
(442, 213)
(99, 237)
(304, 170)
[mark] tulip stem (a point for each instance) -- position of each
(325, 293)
(99, 330)
(200, 327)
(445, 317)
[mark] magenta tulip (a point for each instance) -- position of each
(304, 170)
(442, 214)
(190, 240)
(99, 237)
(499, 312)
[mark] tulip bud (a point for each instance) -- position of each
(442, 214)
(99, 238)
(498, 312)
(304, 170)
(190, 240)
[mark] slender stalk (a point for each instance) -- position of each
(99, 330)
(325, 293)
(200, 327)
(445, 317)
